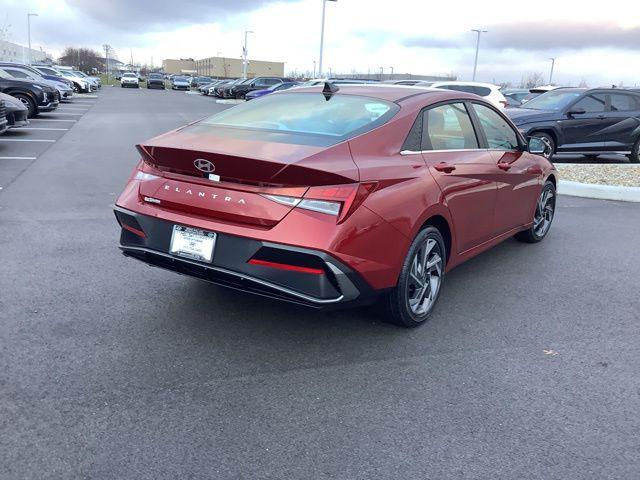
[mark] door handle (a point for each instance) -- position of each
(504, 166)
(444, 167)
(534, 171)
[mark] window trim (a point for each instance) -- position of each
(522, 146)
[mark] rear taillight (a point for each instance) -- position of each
(337, 200)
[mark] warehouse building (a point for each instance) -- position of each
(183, 65)
(13, 52)
(222, 67)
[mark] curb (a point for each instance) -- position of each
(601, 192)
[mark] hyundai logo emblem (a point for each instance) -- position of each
(204, 165)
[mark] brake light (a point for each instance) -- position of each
(286, 266)
(336, 200)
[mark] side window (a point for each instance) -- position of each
(624, 103)
(500, 135)
(592, 103)
(448, 127)
(272, 81)
(413, 141)
(17, 73)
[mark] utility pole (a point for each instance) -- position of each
(314, 69)
(475, 63)
(391, 72)
(244, 54)
(553, 64)
(106, 62)
(29, 15)
(324, 7)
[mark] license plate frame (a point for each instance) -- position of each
(193, 243)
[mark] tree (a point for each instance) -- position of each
(533, 79)
(83, 59)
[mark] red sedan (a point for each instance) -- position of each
(338, 195)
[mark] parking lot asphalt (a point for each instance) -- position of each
(109, 368)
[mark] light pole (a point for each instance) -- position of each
(314, 69)
(553, 64)
(324, 6)
(475, 63)
(244, 54)
(29, 15)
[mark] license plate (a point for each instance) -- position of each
(192, 243)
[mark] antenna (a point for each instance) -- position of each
(328, 90)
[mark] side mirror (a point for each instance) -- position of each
(576, 111)
(538, 146)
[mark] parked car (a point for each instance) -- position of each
(180, 83)
(91, 78)
(218, 90)
(51, 73)
(336, 81)
(583, 121)
(486, 90)
(227, 91)
(259, 83)
(199, 81)
(17, 114)
(155, 80)
(274, 88)
(410, 82)
(515, 96)
(337, 195)
(4, 123)
(37, 97)
(25, 72)
(80, 84)
(205, 89)
(537, 91)
(92, 85)
(129, 79)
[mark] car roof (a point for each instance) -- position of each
(392, 93)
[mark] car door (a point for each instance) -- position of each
(583, 126)
(624, 125)
(516, 171)
(463, 170)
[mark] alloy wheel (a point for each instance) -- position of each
(425, 277)
(544, 212)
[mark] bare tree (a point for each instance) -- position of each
(532, 79)
(84, 59)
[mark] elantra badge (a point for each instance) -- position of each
(204, 165)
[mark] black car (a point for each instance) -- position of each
(37, 97)
(583, 121)
(225, 91)
(197, 82)
(15, 111)
(155, 80)
(258, 83)
(4, 123)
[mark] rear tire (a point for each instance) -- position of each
(29, 103)
(635, 153)
(411, 302)
(549, 139)
(542, 217)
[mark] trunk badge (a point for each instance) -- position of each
(204, 165)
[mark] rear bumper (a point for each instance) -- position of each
(337, 286)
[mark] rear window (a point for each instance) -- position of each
(309, 114)
(481, 91)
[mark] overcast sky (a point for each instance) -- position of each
(600, 44)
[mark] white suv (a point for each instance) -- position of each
(130, 80)
(486, 90)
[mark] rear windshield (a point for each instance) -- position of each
(309, 114)
(155, 75)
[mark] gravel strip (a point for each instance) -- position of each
(623, 175)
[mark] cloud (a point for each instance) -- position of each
(541, 36)
(146, 15)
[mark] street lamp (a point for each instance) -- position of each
(29, 15)
(475, 63)
(244, 54)
(553, 63)
(324, 6)
(314, 69)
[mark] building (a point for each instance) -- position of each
(183, 65)
(222, 67)
(13, 52)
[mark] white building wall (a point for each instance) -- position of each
(13, 52)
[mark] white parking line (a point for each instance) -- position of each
(59, 113)
(64, 107)
(50, 120)
(18, 158)
(45, 129)
(25, 140)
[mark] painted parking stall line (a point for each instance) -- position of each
(18, 158)
(44, 129)
(25, 140)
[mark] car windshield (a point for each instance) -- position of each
(155, 75)
(179, 79)
(129, 75)
(308, 113)
(554, 100)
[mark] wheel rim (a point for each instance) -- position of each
(544, 212)
(425, 277)
(548, 153)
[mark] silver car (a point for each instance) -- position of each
(25, 72)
